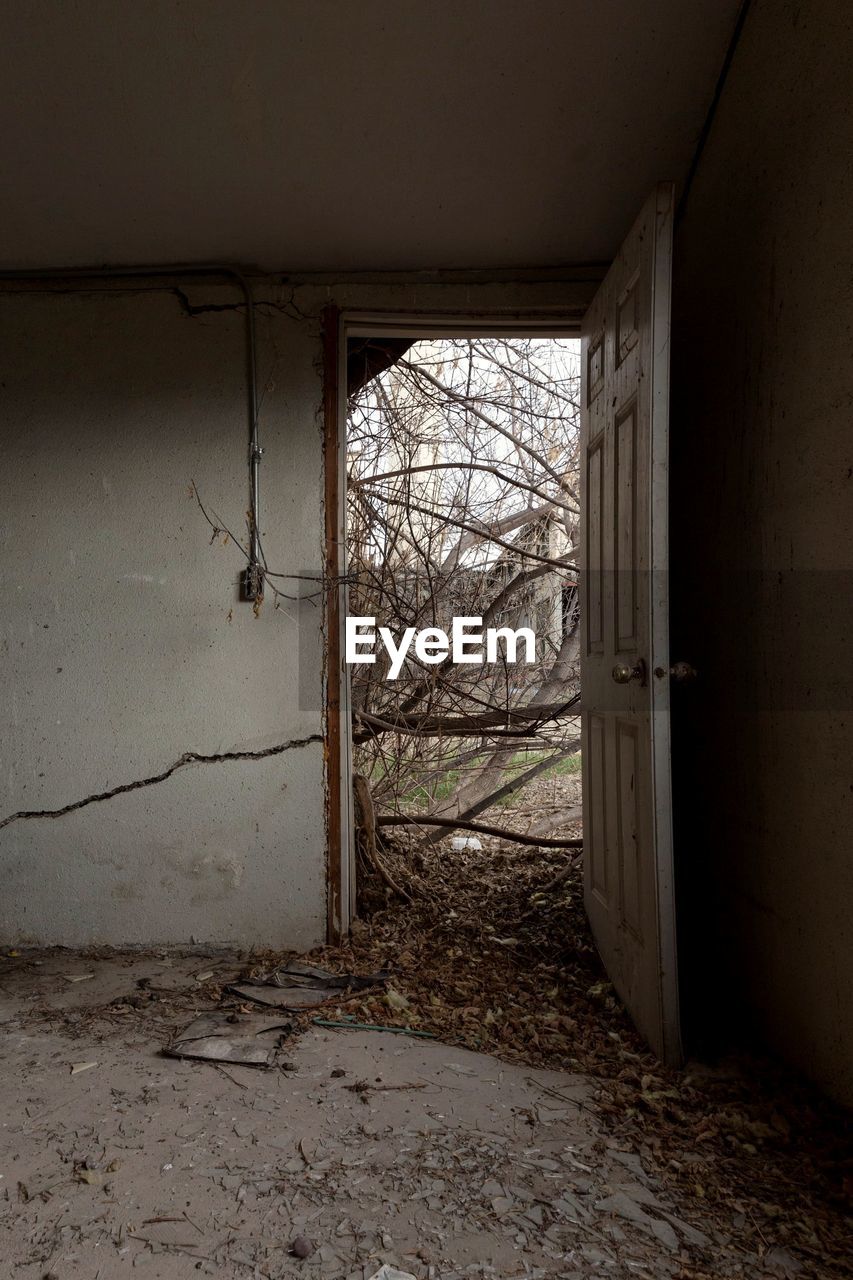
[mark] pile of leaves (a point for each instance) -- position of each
(493, 956)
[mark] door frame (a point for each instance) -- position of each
(338, 326)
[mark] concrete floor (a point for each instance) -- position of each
(441, 1162)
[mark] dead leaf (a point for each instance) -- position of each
(396, 1000)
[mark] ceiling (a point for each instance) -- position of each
(344, 134)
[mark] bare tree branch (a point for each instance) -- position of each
(405, 820)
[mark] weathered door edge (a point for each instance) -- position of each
(659, 637)
(336, 748)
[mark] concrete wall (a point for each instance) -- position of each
(124, 642)
(763, 543)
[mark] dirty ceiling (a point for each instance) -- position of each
(311, 134)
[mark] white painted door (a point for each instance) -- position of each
(628, 873)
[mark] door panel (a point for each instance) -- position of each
(628, 888)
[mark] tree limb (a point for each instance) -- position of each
(401, 820)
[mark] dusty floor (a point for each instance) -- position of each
(438, 1158)
(377, 1147)
(525, 1132)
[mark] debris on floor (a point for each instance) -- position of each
(522, 1132)
(290, 998)
(298, 986)
(228, 1036)
(77, 1067)
(293, 974)
(350, 1024)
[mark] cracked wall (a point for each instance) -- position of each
(143, 701)
(129, 665)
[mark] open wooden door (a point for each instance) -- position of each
(625, 665)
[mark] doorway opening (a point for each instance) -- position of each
(463, 520)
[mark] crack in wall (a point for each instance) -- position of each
(189, 757)
(191, 309)
(288, 308)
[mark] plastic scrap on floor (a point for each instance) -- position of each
(299, 986)
(288, 998)
(250, 1039)
(387, 1272)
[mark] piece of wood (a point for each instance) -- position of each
(365, 817)
(336, 911)
(403, 820)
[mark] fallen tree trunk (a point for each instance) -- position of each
(559, 818)
(515, 784)
(402, 820)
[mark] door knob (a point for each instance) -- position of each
(623, 674)
(680, 672)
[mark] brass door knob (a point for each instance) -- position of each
(623, 674)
